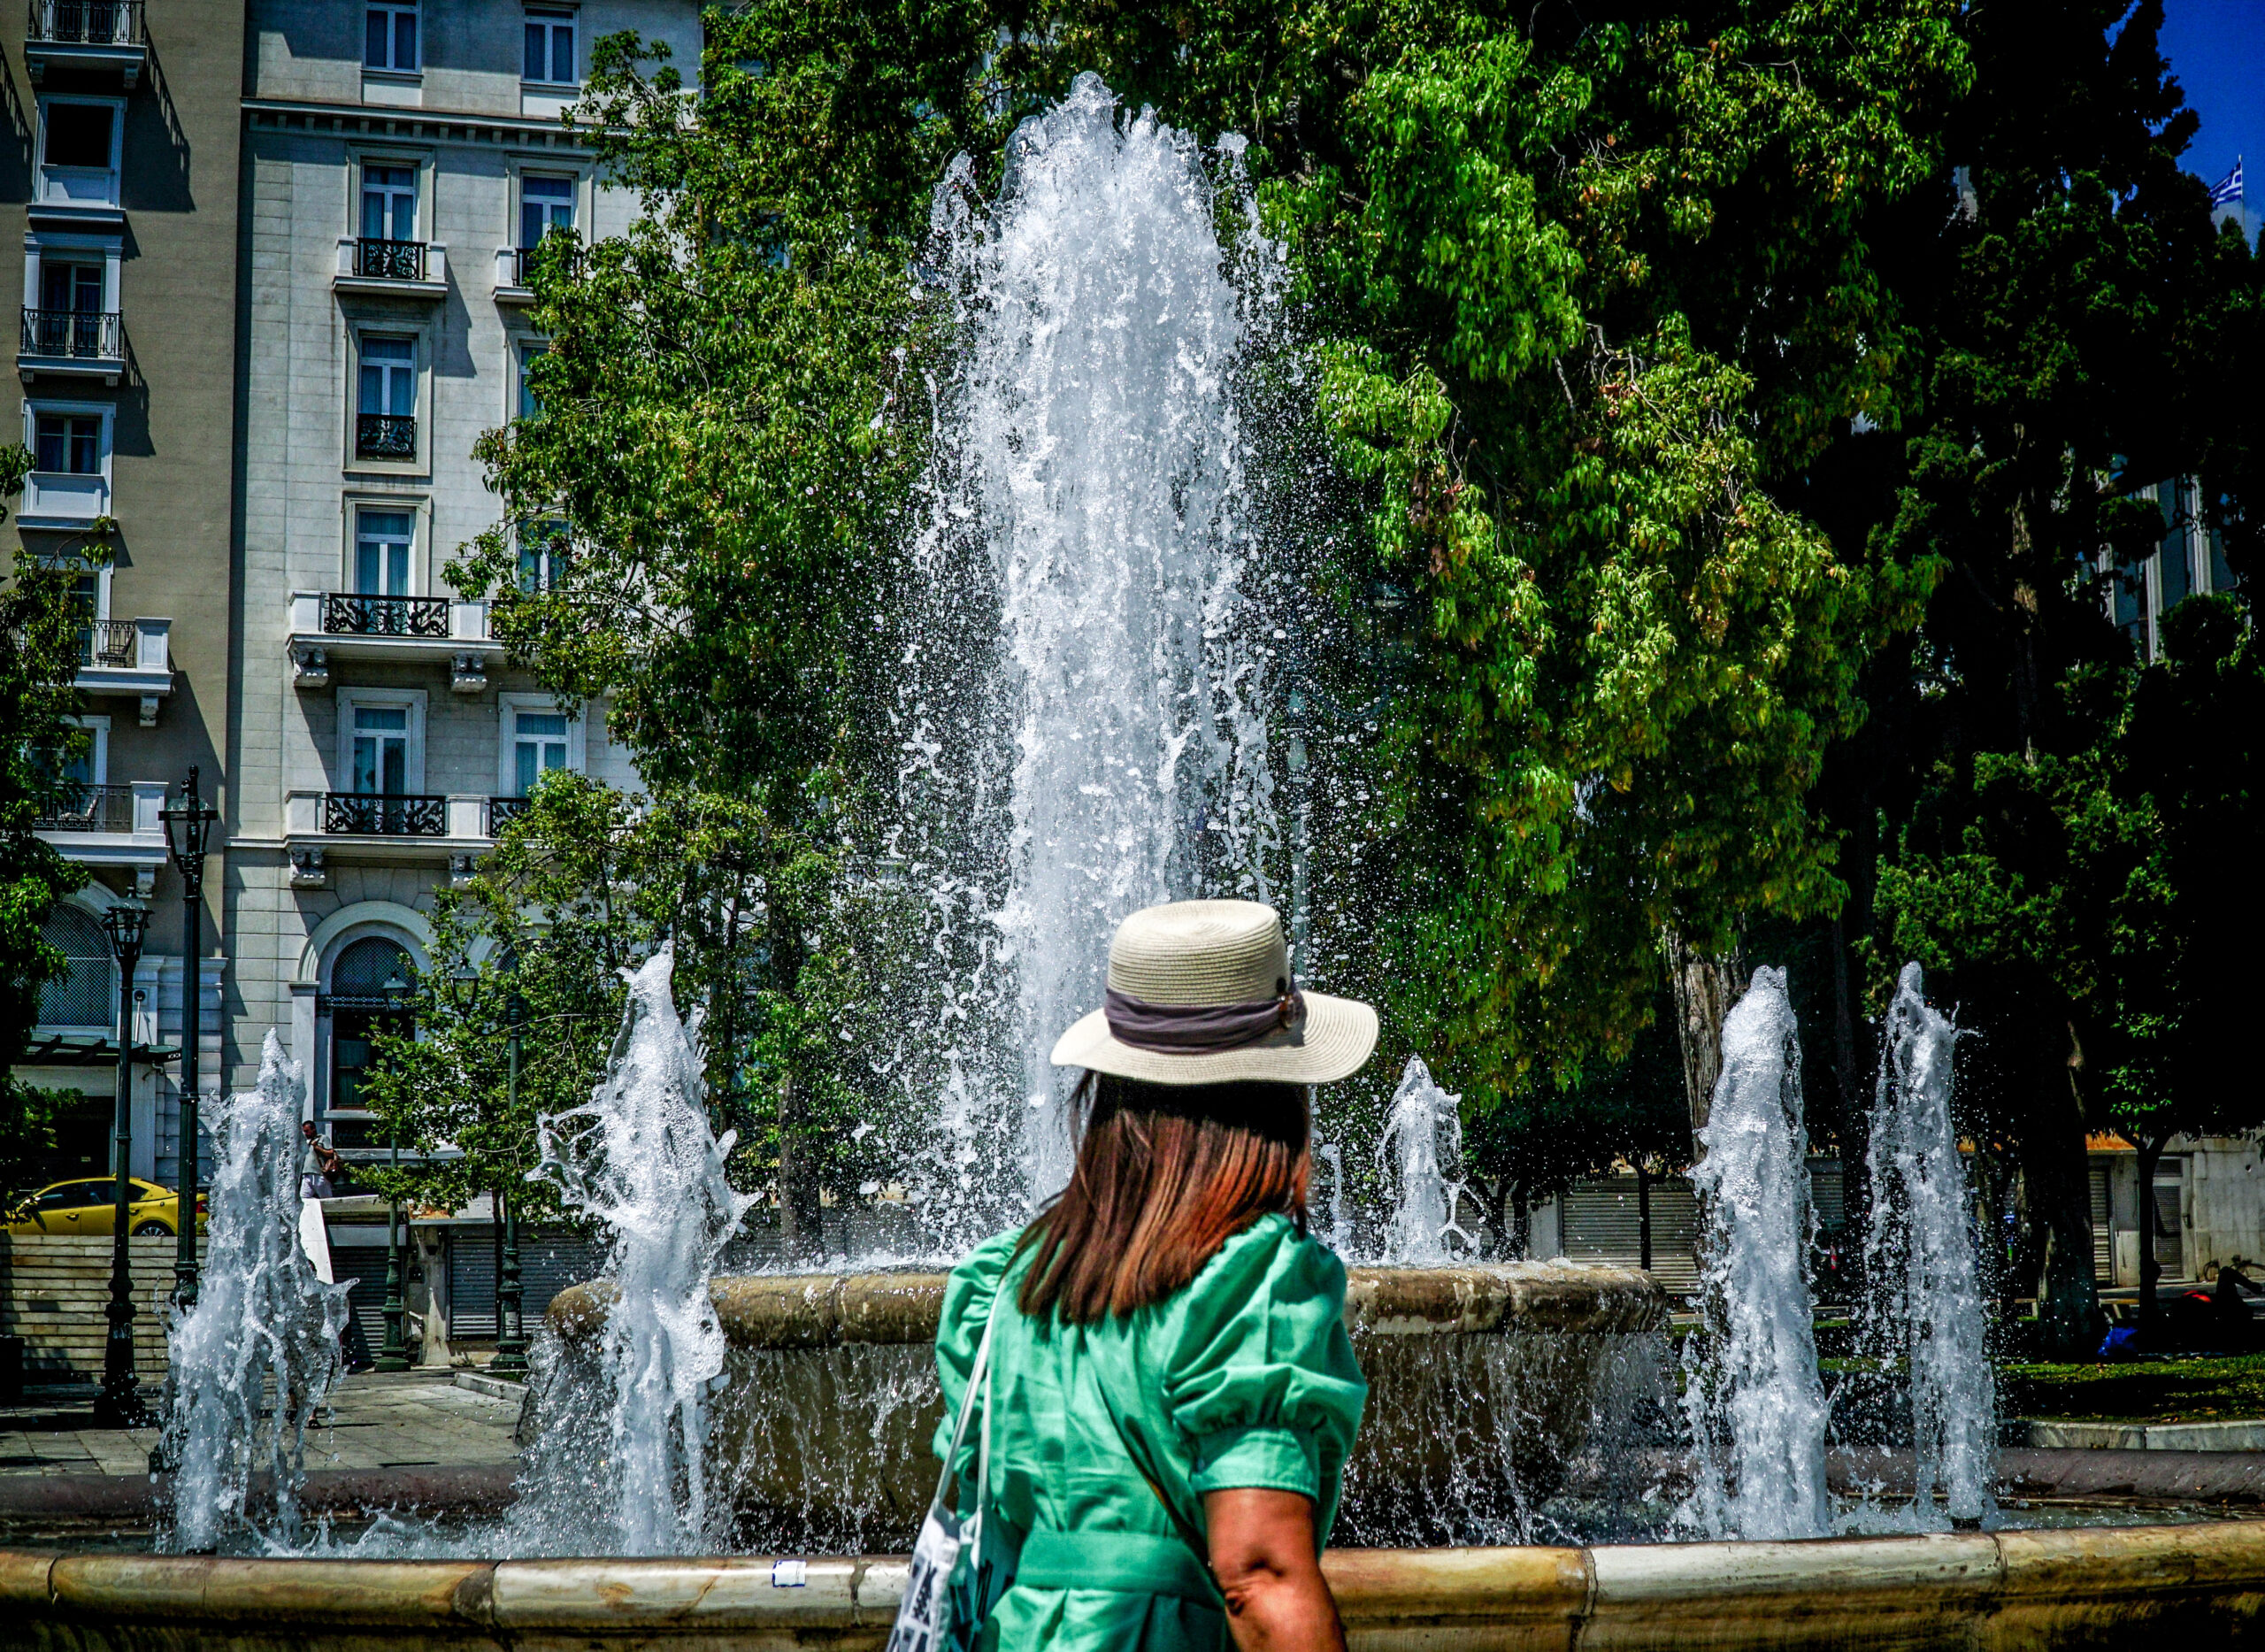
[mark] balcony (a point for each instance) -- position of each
(502, 811)
(130, 659)
(389, 436)
(512, 267)
(67, 500)
(72, 343)
(86, 36)
(322, 828)
(397, 269)
(384, 814)
(329, 625)
(111, 826)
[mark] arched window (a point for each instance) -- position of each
(369, 991)
(88, 995)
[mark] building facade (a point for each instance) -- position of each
(121, 180)
(399, 160)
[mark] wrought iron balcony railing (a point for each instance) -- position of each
(502, 811)
(346, 614)
(93, 808)
(85, 22)
(385, 814)
(389, 260)
(109, 644)
(86, 334)
(385, 436)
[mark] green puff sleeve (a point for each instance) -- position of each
(1259, 1375)
(968, 1295)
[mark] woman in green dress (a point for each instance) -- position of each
(1172, 1392)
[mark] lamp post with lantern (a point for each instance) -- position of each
(119, 1404)
(188, 831)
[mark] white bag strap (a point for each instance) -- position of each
(979, 1384)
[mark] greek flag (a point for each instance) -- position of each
(2227, 190)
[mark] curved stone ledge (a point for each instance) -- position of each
(2033, 1590)
(810, 1311)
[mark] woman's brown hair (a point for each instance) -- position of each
(1165, 1175)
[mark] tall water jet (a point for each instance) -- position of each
(261, 1347)
(1924, 1287)
(1754, 1403)
(1421, 1150)
(630, 1476)
(1079, 719)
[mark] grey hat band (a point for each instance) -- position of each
(1201, 1029)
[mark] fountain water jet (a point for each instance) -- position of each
(1422, 1147)
(1754, 1400)
(1925, 1308)
(1080, 719)
(631, 1454)
(263, 1340)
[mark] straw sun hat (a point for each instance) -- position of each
(1200, 992)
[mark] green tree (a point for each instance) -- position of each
(38, 661)
(2080, 322)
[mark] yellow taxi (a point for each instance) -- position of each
(88, 1206)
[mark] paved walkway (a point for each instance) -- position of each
(416, 1419)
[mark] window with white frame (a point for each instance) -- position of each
(542, 554)
(381, 731)
(385, 405)
(528, 352)
(389, 201)
(545, 204)
(539, 739)
(549, 59)
(71, 450)
(85, 994)
(382, 541)
(89, 764)
(389, 38)
(79, 140)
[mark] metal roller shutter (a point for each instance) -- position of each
(365, 1265)
(1828, 1191)
(551, 1259)
(472, 1283)
(1601, 1222)
(2103, 1233)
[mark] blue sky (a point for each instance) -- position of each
(2216, 49)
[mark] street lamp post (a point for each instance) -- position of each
(120, 1403)
(188, 830)
(393, 1355)
(511, 1331)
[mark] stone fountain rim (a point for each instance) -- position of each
(883, 1308)
(2039, 1587)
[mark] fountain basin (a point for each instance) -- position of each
(2012, 1589)
(1484, 1384)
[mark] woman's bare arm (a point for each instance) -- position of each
(1262, 1555)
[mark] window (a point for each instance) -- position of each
(388, 201)
(370, 979)
(385, 426)
(381, 749)
(550, 46)
(538, 746)
(529, 406)
(389, 38)
(545, 204)
(78, 161)
(382, 543)
(74, 287)
(69, 444)
(85, 994)
(542, 554)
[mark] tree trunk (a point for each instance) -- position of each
(2058, 1180)
(2150, 1270)
(1706, 987)
(1643, 1216)
(800, 1236)
(1521, 1226)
